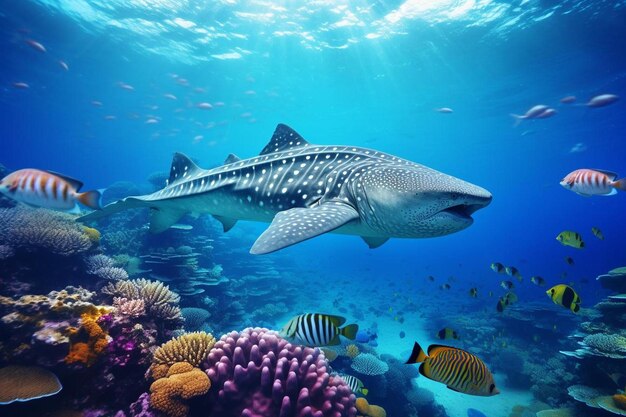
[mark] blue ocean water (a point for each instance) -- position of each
(369, 74)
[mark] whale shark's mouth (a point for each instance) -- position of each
(463, 211)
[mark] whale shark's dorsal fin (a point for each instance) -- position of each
(182, 167)
(284, 138)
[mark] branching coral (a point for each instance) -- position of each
(159, 300)
(33, 229)
(111, 273)
(98, 261)
(368, 364)
(130, 308)
(192, 348)
(182, 382)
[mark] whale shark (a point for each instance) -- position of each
(305, 190)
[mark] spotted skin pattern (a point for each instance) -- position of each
(306, 190)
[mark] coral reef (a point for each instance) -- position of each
(158, 299)
(131, 308)
(352, 351)
(192, 348)
(195, 318)
(256, 373)
(111, 273)
(369, 410)
(181, 383)
(87, 343)
(369, 364)
(40, 229)
(25, 383)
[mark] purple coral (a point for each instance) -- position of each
(256, 373)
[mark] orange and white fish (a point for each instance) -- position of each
(47, 189)
(588, 182)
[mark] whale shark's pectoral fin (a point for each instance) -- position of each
(162, 219)
(374, 242)
(227, 222)
(298, 224)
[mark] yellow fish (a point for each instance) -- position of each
(565, 296)
(447, 333)
(569, 238)
(459, 370)
(597, 233)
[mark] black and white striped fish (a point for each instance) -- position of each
(355, 384)
(314, 329)
(459, 370)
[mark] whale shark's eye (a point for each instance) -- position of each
(454, 196)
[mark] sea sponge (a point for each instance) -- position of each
(368, 409)
(25, 383)
(88, 342)
(192, 348)
(352, 351)
(92, 234)
(181, 383)
(368, 364)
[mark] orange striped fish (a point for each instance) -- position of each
(459, 370)
(588, 182)
(47, 189)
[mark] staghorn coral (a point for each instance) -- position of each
(181, 383)
(369, 364)
(41, 229)
(131, 308)
(159, 300)
(190, 347)
(111, 273)
(95, 262)
(88, 342)
(257, 373)
(25, 383)
(369, 410)
(352, 351)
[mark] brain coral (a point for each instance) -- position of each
(33, 229)
(181, 383)
(368, 364)
(256, 373)
(24, 383)
(192, 348)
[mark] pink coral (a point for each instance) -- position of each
(131, 308)
(256, 373)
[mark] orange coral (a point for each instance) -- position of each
(181, 383)
(88, 342)
(369, 410)
(620, 401)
